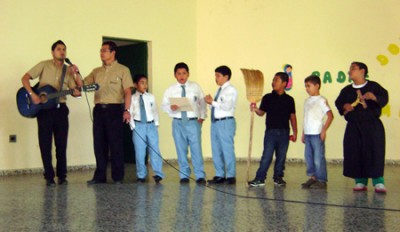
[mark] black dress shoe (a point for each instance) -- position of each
(93, 181)
(201, 181)
(231, 180)
(216, 180)
(157, 179)
(141, 180)
(184, 181)
(62, 181)
(50, 183)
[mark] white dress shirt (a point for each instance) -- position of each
(150, 107)
(225, 105)
(193, 93)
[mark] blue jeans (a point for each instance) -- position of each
(314, 155)
(188, 134)
(275, 140)
(148, 132)
(223, 148)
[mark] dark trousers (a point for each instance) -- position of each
(53, 122)
(275, 140)
(108, 137)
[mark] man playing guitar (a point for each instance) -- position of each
(54, 73)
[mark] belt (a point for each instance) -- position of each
(221, 119)
(143, 122)
(106, 106)
(187, 119)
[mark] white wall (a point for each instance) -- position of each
(27, 30)
(310, 35)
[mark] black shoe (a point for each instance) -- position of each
(184, 181)
(279, 181)
(50, 183)
(216, 180)
(141, 180)
(93, 181)
(63, 181)
(256, 183)
(201, 181)
(157, 179)
(230, 180)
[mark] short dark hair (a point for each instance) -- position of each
(111, 45)
(362, 66)
(283, 76)
(314, 79)
(181, 65)
(57, 43)
(288, 66)
(137, 77)
(224, 70)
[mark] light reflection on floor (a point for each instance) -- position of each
(26, 204)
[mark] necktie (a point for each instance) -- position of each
(143, 117)
(183, 113)
(212, 108)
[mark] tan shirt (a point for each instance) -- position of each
(113, 80)
(50, 74)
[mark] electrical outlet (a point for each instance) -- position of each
(13, 138)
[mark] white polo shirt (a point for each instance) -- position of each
(315, 109)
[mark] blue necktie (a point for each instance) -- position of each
(183, 113)
(143, 117)
(213, 108)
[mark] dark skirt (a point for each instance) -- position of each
(364, 149)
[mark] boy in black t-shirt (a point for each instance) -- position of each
(280, 109)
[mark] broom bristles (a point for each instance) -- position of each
(254, 80)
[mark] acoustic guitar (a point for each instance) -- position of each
(48, 99)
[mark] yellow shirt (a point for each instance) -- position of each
(112, 80)
(50, 74)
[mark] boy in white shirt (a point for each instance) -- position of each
(186, 125)
(223, 127)
(314, 133)
(144, 123)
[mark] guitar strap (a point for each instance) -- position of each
(36, 86)
(64, 70)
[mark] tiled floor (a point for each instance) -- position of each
(26, 204)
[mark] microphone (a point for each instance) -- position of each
(68, 61)
(70, 64)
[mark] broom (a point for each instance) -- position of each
(254, 81)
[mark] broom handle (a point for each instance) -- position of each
(250, 144)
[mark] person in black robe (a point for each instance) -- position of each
(364, 140)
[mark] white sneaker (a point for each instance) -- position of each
(380, 188)
(360, 187)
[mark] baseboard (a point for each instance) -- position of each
(29, 171)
